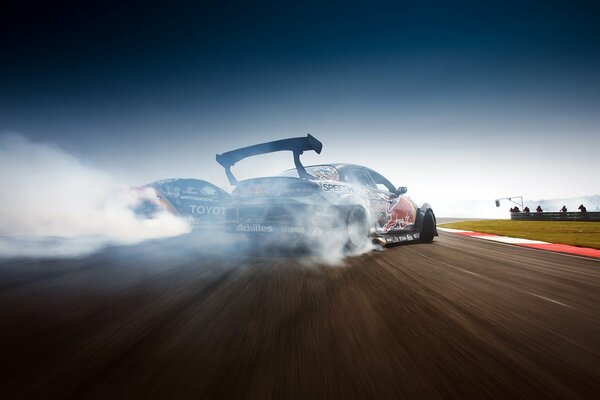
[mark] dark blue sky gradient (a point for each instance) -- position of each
(133, 44)
(119, 81)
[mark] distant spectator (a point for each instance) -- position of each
(526, 210)
(539, 209)
(512, 209)
(517, 209)
(563, 209)
(582, 208)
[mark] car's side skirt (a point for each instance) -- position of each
(399, 237)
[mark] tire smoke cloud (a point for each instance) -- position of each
(53, 205)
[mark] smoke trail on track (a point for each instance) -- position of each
(54, 205)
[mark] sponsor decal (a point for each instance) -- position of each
(207, 210)
(401, 214)
(401, 238)
(190, 197)
(254, 228)
(324, 173)
(207, 190)
(379, 205)
(341, 188)
(334, 187)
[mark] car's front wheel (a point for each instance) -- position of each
(428, 228)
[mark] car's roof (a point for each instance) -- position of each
(336, 165)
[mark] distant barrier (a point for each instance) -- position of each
(556, 216)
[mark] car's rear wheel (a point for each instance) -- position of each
(357, 229)
(428, 228)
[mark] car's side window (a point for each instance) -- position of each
(357, 176)
(382, 183)
(381, 187)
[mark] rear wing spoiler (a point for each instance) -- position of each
(296, 145)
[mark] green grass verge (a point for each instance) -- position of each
(583, 234)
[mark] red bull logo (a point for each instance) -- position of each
(401, 214)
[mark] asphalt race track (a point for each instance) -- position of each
(459, 318)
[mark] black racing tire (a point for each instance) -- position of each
(427, 228)
(357, 229)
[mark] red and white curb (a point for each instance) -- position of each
(535, 244)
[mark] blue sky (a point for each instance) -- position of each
(460, 101)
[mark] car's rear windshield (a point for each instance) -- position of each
(319, 172)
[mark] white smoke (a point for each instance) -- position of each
(314, 246)
(329, 247)
(54, 205)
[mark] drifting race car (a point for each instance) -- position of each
(201, 202)
(319, 200)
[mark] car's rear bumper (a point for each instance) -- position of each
(280, 218)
